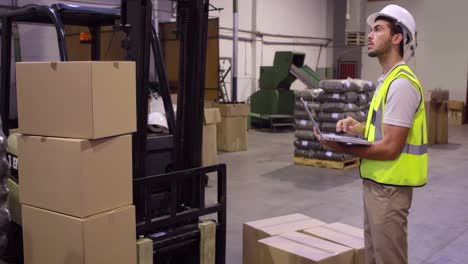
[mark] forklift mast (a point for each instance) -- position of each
(177, 232)
(192, 23)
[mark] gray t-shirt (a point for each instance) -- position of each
(403, 100)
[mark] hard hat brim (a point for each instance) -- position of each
(371, 19)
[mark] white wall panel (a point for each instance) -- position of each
(226, 16)
(293, 17)
(441, 56)
(446, 43)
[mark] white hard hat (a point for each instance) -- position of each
(401, 15)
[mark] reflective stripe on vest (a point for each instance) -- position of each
(410, 168)
(408, 148)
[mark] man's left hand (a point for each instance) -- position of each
(338, 147)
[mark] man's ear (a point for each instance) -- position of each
(397, 38)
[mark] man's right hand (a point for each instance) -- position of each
(351, 126)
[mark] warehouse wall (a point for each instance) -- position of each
(441, 56)
(298, 18)
(446, 46)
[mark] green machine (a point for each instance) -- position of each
(273, 105)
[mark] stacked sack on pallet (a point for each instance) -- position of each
(333, 101)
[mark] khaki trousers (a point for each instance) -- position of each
(386, 210)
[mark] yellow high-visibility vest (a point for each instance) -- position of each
(411, 166)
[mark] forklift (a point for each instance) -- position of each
(168, 180)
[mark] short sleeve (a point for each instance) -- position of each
(403, 100)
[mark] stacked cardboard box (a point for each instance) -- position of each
(456, 110)
(297, 238)
(212, 116)
(75, 156)
(437, 122)
(436, 105)
(260, 229)
(232, 130)
(337, 99)
(295, 248)
(342, 234)
(210, 146)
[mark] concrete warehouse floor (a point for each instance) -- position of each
(263, 182)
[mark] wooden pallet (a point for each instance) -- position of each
(340, 165)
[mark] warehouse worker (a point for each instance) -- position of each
(396, 161)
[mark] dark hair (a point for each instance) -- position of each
(395, 28)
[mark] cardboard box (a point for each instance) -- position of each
(354, 231)
(232, 134)
(297, 248)
(210, 104)
(456, 112)
(55, 238)
(231, 110)
(210, 146)
(437, 122)
(342, 234)
(442, 124)
(456, 117)
(77, 177)
(76, 99)
(456, 105)
(256, 230)
(232, 131)
(437, 95)
(431, 117)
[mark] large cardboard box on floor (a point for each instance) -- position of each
(232, 131)
(437, 95)
(442, 124)
(437, 122)
(210, 146)
(55, 238)
(76, 99)
(298, 248)
(342, 234)
(77, 177)
(456, 110)
(260, 229)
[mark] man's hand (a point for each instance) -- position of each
(351, 126)
(338, 147)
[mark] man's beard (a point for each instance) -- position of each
(384, 49)
(377, 52)
(374, 53)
